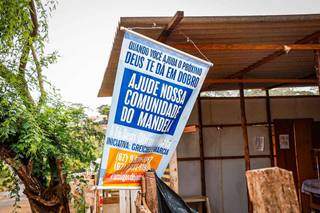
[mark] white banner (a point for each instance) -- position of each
(154, 92)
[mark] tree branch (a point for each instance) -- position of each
(22, 72)
(34, 19)
(26, 52)
(50, 203)
(43, 94)
(9, 158)
(8, 76)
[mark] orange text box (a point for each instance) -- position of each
(125, 168)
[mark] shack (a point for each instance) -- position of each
(226, 136)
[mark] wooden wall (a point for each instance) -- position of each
(223, 146)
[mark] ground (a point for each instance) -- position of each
(6, 203)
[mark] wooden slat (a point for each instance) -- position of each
(201, 147)
(317, 66)
(269, 119)
(125, 202)
(285, 47)
(267, 80)
(284, 84)
(222, 157)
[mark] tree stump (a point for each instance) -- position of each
(272, 190)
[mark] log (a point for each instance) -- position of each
(151, 192)
(272, 190)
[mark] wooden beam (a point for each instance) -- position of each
(245, 137)
(269, 119)
(272, 56)
(201, 146)
(307, 77)
(268, 80)
(234, 125)
(317, 66)
(151, 192)
(222, 157)
(244, 128)
(284, 47)
(171, 26)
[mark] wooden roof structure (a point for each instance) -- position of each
(256, 51)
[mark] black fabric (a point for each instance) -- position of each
(169, 201)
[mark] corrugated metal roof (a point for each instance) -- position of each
(229, 30)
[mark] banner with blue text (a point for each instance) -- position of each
(154, 92)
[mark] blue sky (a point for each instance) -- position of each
(82, 32)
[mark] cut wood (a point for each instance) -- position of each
(272, 190)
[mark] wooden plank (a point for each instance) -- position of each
(266, 80)
(171, 26)
(317, 66)
(151, 192)
(222, 157)
(202, 167)
(269, 119)
(125, 201)
(272, 190)
(284, 84)
(273, 56)
(260, 97)
(234, 125)
(244, 128)
(133, 196)
(285, 47)
(245, 136)
(173, 167)
(302, 129)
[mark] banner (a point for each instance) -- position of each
(154, 92)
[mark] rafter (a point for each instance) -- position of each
(171, 26)
(307, 77)
(264, 80)
(226, 47)
(272, 56)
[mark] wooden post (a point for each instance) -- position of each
(125, 201)
(202, 168)
(173, 167)
(245, 137)
(317, 66)
(151, 192)
(244, 128)
(269, 119)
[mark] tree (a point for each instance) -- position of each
(104, 109)
(41, 138)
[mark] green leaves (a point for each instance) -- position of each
(33, 131)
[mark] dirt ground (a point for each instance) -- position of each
(7, 206)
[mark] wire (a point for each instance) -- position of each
(189, 40)
(153, 27)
